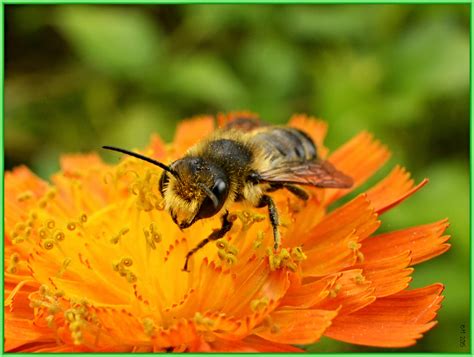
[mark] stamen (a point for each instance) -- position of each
(258, 242)
(50, 224)
(71, 226)
(24, 196)
(59, 236)
(149, 326)
(48, 244)
(259, 304)
(43, 233)
(83, 218)
(127, 261)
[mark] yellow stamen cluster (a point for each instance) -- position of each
(77, 317)
(202, 320)
(354, 246)
(285, 259)
(227, 252)
(152, 235)
(122, 266)
(259, 304)
(144, 188)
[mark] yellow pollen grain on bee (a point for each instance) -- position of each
(24, 196)
(48, 244)
(149, 326)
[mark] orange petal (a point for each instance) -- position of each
(402, 197)
(355, 216)
(76, 164)
(393, 321)
(350, 292)
(396, 183)
(316, 129)
(21, 332)
(424, 242)
(296, 326)
(225, 118)
(157, 147)
(387, 273)
(359, 158)
(309, 294)
(251, 344)
(330, 258)
(191, 131)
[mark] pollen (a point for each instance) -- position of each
(149, 326)
(24, 196)
(71, 226)
(48, 244)
(259, 304)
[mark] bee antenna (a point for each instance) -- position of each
(144, 158)
(209, 194)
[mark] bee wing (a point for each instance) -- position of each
(318, 173)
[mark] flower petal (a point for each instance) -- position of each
(388, 274)
(355, 216)
(350, 292)
(309, 294)
(360, 158)
(297, 326)
(393, 321)
(190, 131)
(424, 242)
(252, 344)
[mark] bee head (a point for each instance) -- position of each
(198, 190)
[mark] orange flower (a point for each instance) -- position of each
(93, 262)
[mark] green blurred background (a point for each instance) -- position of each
(81, 76)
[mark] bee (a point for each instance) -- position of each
(243, 161)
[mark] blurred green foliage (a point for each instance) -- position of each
(81, 76)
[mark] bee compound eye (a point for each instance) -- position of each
(220, 189)
(208, 208)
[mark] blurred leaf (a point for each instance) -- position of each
(205, 78)
(113, 40)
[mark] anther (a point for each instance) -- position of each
(44, 289)
(71, 226)
(48, 244)
(127, 261)
(221, 244)
(149, 326)
(50, 224)
(24, 196)
(83, 218)
(131, 278)
(230, 259)
(232, 250)
(42, 203)
(59, 236)
(43, 233)
(15, 258)
(51, 194)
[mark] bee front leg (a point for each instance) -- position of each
(216, 234)
(266, 201)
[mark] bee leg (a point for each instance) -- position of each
(266, 201)
(297, 191)
(216, 234)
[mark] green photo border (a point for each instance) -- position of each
(471, 152)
